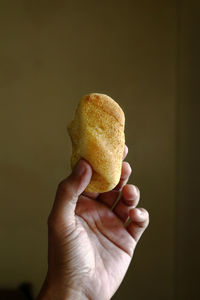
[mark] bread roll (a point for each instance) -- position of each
(97, 135)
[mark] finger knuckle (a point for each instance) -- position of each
(65, 188)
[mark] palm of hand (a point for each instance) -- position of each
(89, 247)
(102, 248)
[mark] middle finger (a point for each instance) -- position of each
(109, 198)
(129, 199)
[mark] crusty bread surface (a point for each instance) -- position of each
(97, 135)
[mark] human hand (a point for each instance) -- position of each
(89, 248)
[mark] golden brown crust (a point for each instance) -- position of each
(107, 104)
(97, 134)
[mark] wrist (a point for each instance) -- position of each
(75, 294)
(53, 291)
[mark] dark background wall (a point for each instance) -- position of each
(138, 52)
(188, 149)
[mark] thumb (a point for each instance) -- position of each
(63, 211)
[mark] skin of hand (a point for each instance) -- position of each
(89, 247)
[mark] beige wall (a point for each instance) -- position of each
(53, 52)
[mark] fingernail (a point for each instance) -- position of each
(140, 212)
(79, 168)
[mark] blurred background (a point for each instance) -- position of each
(145, 55)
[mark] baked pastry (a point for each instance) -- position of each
(97, 135)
